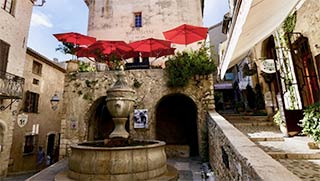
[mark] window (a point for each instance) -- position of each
(31, 102)
(7, 5)
(138, 20)
(29, 144)
(35, 81)
(1, 137)
(36, 68)
(4, 52)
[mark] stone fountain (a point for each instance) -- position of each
(120, 158)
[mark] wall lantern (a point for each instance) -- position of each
(54, 102)
(37, 3)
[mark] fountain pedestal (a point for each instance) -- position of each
(119, 130)
(120, 100)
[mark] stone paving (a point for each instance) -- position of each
(189, 170)
(291, 152)
(307, 170)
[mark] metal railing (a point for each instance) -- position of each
(11, 86)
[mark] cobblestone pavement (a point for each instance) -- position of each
(307, 170)
(21, 177)
(189, 170)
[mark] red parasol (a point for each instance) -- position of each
(75, 38)
(186, 34)
(117, 48)
(150, 45)
(158, 53)
(84, 52)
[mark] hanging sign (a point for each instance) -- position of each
(267, 66)
(22, 120)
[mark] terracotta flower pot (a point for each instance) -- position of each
(72, 65)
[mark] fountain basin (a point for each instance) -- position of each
(141, 162)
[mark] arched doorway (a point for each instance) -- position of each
(100, 121)
(50, 144)
(176, 122)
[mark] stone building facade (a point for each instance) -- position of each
(38, 122)
(181, 125)
(14, 22)
(307, 24)
(303, 57)
(139, 19)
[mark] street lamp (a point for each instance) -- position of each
(54, 102)
(36, 3)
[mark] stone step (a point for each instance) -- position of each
(254, 123)
(245, 119)
(257, 139)
(296, 156)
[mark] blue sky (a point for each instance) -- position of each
(60, 16)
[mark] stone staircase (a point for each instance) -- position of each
(257, 128)
(292, 152)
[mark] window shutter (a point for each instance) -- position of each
(4, 52)
(36, 102)
(27, 102)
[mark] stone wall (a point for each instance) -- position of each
(14, 31)
(234, 157)
(51, 81)
(114, 19)
(308, 18)
(84, 90)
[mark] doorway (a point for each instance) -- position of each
(50, 144)
(176, 122)
(306, 71)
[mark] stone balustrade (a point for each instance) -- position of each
(234, 157)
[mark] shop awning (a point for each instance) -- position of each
(256, 20)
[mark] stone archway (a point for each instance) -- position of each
(176, 123)
(100, 123)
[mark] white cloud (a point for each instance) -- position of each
(40, 19)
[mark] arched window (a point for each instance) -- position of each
(7, 5)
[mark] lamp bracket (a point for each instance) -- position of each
(3, 107)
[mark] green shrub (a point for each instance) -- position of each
(184, 65)
(86, 67)
(311, 121)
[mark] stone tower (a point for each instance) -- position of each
(138, 19)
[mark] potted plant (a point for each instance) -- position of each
(115, 63)
(69, 48)
(311, 122)
(101, 60)
(277, 119)
(86, 67)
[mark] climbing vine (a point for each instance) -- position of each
(284, 53)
